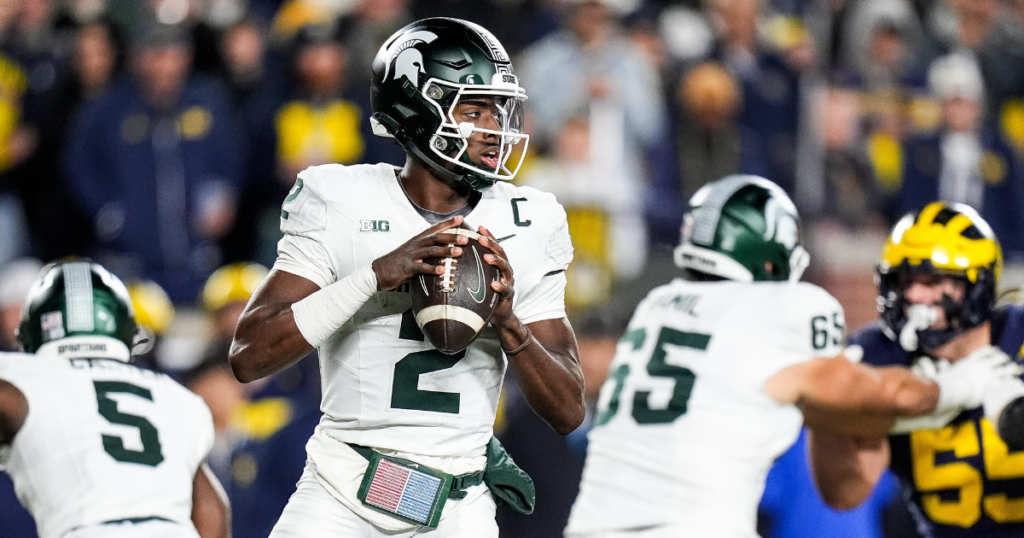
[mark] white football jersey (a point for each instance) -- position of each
(103, 441)
(384, 386)
(685, 434)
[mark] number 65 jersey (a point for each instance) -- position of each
(685, 435)
(103, 441)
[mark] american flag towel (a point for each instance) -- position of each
(404, 491)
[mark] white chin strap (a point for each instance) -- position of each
(919, 318)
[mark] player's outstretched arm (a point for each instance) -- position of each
(839, 384)
(13, 410)
(543, 356)
(211, 513)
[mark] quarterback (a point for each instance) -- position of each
(962, 473)
(95, 446)
(406, 433)
(707, 384)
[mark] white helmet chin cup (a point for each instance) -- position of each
(799, 259)
(919, 318)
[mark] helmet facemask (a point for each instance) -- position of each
(451, 140)
(913, 332)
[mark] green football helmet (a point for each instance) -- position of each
(420, 75)
(78, 309)
(742, 228)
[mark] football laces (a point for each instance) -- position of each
(447, 282)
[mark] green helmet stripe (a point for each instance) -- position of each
(78, 294)
(710, 209)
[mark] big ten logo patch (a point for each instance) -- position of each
(374, 226)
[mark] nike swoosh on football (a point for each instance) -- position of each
(479, 294)
(500, 239)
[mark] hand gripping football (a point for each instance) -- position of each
(452, 308)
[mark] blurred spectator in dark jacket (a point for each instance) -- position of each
(710, 144)
(59, 222)
(156, 162)
(369, 25)
(852, 198)
(967, 161)
(257, 79)
(770, 82)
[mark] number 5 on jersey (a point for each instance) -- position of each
(684, 378)
(151, 453)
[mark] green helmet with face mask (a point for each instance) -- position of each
(742, 228)
(422, 73)
(78, 309)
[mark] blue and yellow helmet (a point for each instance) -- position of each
(232, 283)
(946, 239)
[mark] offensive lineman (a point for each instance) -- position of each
(937, 290)
(706, 387)
(354, 236)
(95, 446)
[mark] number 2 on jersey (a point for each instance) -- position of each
(656, 367)
(151, 453)
(405, 392)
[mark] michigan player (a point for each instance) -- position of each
(706, 386)
(354, 236)
(94, 445)
(937, 293)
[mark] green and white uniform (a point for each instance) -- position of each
(685, 434)
(384, 386)
(104, 442)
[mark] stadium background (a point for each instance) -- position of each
(159, 137)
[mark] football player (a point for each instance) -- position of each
(94, 445)
(398, 413)
(707, 384)
(937, 292)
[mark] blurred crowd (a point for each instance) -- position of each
(159, 137)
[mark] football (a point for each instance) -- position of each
(452, 308)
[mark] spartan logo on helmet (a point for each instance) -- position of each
(781, 226)
(409, 60)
